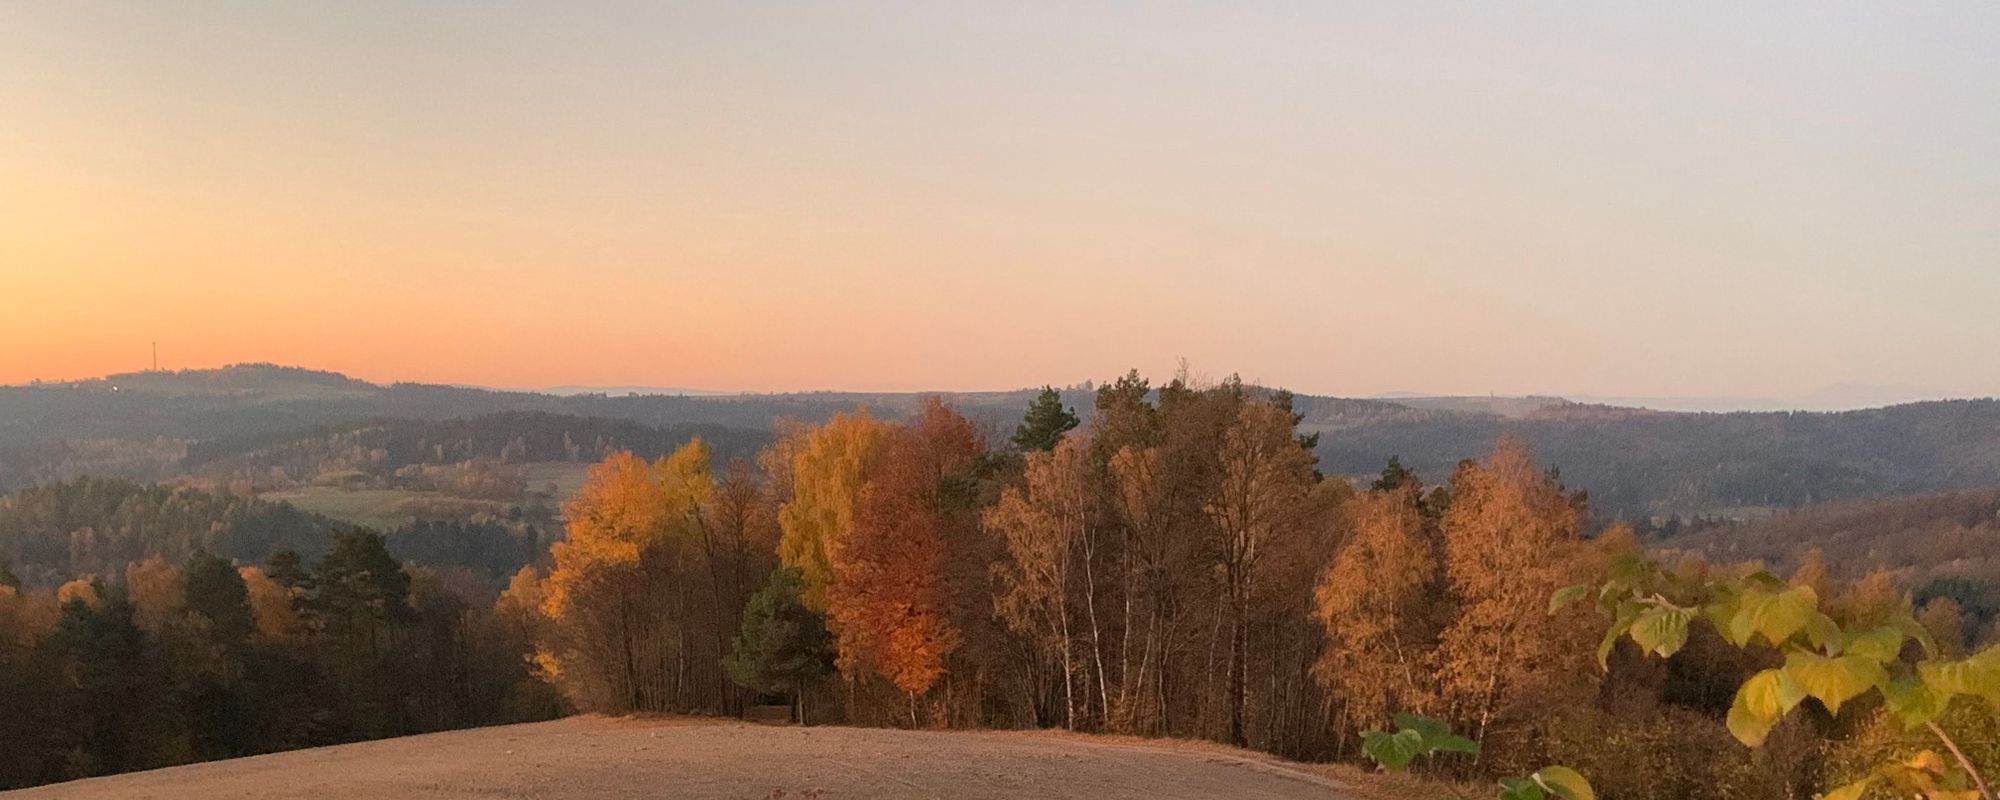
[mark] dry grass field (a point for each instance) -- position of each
(596, 758)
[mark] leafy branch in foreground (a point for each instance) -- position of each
(1833, 659)
(1419, 736)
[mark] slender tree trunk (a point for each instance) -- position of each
(1238, 649)
(1125, 632)
(1090, 607)
(1068, 669)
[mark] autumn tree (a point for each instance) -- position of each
(28, 683)
(1042, 522)
(1511, 539)
(154, 588)
(827, 472)
(886, 600)
(273, 606)
(1380, 605)
(650, 583)
(605, 646)
(1267, 491)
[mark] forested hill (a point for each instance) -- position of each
(1920, 539)
(1637, 462)
(101, 526)
(512, 437)
(1633, 462)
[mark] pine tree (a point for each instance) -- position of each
(783, 647)
(358, 581)
(1394, 475)
(1045, 423)
(213, 588)
(115, 716)
(287, 569)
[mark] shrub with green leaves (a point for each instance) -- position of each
(1424, 737)
(1831, 656)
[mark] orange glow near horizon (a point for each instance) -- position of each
(1339, 200)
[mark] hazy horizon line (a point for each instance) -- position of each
(1838, 396)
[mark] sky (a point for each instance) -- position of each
(1607, 199)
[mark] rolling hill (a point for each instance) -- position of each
(1633, 462)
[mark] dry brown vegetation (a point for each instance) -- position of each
(592, 758)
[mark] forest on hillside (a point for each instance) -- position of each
(1180, 565)
(1636, 464)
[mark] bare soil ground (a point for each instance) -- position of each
(588, 758)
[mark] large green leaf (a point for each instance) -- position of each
(1760, 703)
(1628, 613)
(1567, 595)
(1775, 615)
(1912, 701)
(1394, 751)
(1426, 726)
(1834, 680)
(1882, 644)
(1434, 735)
(1662, 630)
(1564, 782)
(1521, 789)
(1978, 675)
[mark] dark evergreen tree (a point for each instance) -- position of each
(1394, 475)
(784, 646)
(358, 581)
(213, 589)
(113, 712)
(285, 567)
(1045, 423)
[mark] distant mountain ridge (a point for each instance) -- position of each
(1633, 461)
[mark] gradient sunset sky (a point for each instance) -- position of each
(1598, 198)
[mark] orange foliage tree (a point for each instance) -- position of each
(1512, 537)
(1378, 604)
(886, 598)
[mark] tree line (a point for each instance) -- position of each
(171, 663)
(1178, 567)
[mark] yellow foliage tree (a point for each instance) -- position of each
(155, 589)
(616, 513)
(827, 474)
(272, 606)
(625, 622)
(1511, 539)
(1378, 604)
